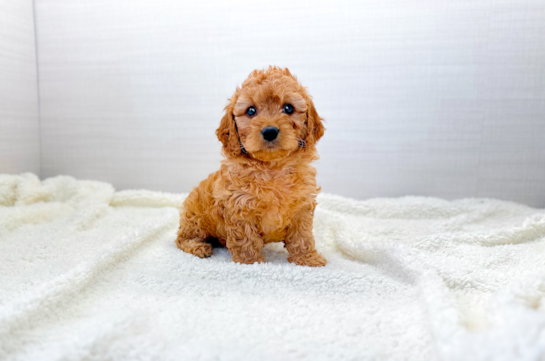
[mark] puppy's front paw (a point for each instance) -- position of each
(248, 259)
(311, 259)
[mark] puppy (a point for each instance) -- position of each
(265, 189)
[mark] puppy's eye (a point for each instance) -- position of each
(251, 111)
(287, 108)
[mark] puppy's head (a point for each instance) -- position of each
(269, 117)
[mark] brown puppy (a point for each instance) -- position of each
(265, 189)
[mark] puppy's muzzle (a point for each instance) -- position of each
(270, 133)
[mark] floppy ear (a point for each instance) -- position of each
(314, 124)
(227, 133)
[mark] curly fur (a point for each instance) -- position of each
(264, 191)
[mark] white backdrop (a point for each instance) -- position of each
(19, 125)
(440, 98)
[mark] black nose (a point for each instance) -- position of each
(269, 133)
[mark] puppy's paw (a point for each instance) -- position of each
(202, 250)
(196, 247)
(311, 259)
(248, 259)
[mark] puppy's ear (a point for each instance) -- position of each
(227, 133)
(314, 124)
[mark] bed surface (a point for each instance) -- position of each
(90, 273)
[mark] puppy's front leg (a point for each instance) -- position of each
(300, 241)
(243, 240)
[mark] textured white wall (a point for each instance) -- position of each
(435, 97)
(19, 123)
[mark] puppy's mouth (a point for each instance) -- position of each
(270, 146)
(269, 143)
(270, 151)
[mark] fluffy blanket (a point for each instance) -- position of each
(87, 273)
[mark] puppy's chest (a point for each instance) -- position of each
(275, 199)
(277, 208)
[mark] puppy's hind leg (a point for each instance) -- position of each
(192, 239)
(195, 246)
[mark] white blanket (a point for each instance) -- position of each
(87, 273)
